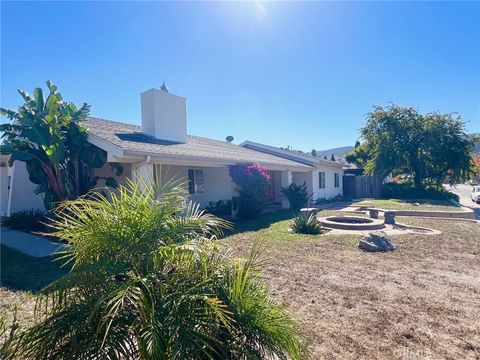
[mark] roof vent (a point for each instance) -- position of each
(164, 87)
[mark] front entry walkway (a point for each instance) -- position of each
(29, 244)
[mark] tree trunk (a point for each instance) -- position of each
(417, 180)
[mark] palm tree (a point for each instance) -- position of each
(150, 280)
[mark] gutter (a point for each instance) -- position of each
(185, 160)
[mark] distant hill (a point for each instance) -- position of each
(339, 152)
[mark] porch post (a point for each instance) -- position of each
(286, 180)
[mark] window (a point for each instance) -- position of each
(337, 180)
(321, 180)
(196, 183)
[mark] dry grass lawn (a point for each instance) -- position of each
(420, 302)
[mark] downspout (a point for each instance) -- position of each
(137, 165)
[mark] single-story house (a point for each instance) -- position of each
(160, 150)
(324, 181)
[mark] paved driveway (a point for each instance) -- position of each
(463, 191)
(27, 243)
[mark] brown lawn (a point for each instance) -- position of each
(420, 302)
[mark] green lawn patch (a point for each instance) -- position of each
(272, 228)
(23, 272)
(413, 204)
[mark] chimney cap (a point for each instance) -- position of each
(164, 87)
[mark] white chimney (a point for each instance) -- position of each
(164, 115)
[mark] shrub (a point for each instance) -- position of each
(220, 208)
(26, 220)
(297, 195)
(149, 281)
(252, 187)
(320, 201)
(306, 224)
(406, 190)
(338, 197)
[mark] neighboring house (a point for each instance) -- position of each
(324, 181)
(16, 190)
(160, 150)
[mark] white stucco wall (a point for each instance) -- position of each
(311, 179)
(21, 195)
(218, 184)
(330, 190)
(106, 171)
(4, 184)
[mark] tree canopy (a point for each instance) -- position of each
(428, 148)
(48, 136)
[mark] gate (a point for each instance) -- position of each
(355, 187)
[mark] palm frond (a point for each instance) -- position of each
(150, 280)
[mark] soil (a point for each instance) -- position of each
(421, 301)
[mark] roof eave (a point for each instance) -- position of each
(204, 161)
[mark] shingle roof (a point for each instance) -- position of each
(129, 138)
(287, 154)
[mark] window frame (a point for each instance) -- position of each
(336, 180)
(321, 180)
(196, 181)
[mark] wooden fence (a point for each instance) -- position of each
(355, 187)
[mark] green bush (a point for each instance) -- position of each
(306, 224)
(149, 281)
(406, 190)
(26, 220)
(220, 208)
(338, 197)
(320, 201)
(297, 195)
(247, 206)
(252, 186)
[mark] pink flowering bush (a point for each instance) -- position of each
(252, 186)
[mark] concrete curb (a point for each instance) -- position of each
(465, 214)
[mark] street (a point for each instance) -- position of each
(463, 191)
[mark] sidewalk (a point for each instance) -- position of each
(27, 243)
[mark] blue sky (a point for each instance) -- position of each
(302, 74)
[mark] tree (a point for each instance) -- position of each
(476, 170)
(252, 182)
(313, 152)
(332, 158)
(429, 148)
(150, 281)
(359, 155)
(47, 135)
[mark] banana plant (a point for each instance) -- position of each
(48, 136)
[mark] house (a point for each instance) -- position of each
(324, 181)
(159, 149)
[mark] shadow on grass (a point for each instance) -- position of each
(23, 272)
(262, 222)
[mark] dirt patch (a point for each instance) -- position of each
(420, 302)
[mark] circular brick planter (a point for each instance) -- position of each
(352, 223)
